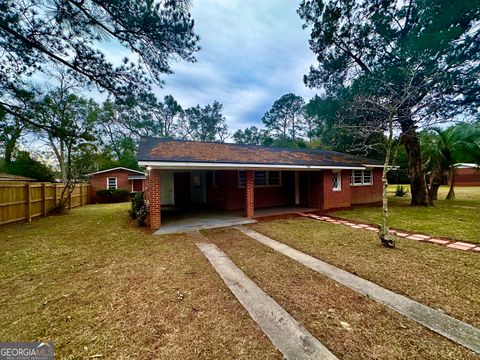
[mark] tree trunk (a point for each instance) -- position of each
(433, 187)
(11, 143)
(9, 147)
(384, 234)
(434, 191)
(451, 191)
(418, 184)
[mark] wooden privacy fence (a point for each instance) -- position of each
(23, 201)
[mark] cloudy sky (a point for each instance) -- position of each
(253, 52)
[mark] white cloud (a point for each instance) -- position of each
(252, 53)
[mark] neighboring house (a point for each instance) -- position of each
(467, 174)
(116, 178)
(232, 177)
(10, 177)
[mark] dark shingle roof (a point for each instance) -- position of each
(168, 150)
(10, 177)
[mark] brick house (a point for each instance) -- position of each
(116, 178)
(467, 174)
(246, 177)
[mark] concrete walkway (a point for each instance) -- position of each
(196, 221)
(452, 244)
(286, 334)
(456, 330)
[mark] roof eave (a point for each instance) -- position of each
(185, 165)
(115, 168)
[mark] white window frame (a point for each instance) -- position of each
(266, 178)
(338, 175)
(240, 185)
(240, 178)
(143, 185)
(362, 177)
(279, 178)
(108, 183)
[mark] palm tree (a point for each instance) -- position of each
(445, 148)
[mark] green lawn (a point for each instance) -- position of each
(456, 219)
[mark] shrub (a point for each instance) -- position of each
(113, 195)
(401, 191)
(139, 209)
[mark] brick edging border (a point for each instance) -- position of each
(450, 243)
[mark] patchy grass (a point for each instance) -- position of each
(442, 278)
(456, 219)
(95, 285)
(350, 325)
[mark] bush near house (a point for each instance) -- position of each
(113, 195)
(139, 209)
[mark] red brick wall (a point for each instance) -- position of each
(99, 182)
(234, 196)
(153, 191)
(315, 190)
(249, 194)
(364, 194)
(467, 177)
(336, 199)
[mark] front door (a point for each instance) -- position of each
(137, 185)
(198, 188)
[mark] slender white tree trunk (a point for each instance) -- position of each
(385, 237)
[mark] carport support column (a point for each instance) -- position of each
(249, 194)
(154, 198)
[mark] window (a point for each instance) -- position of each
(367, 177)
(197, 181)
(261, 178)
(361, 177)
(337, 181)
(215, 179)
(112, 183)
(274, 178)
(241, 178)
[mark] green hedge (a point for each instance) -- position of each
(113, 195)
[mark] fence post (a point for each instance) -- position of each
(54, 189)
(29, 203)
(81, 194)
(70, 200)
(44, 199)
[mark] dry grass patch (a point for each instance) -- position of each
(95, 285)
(350, 325)
(442, 278)
(455, 219)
